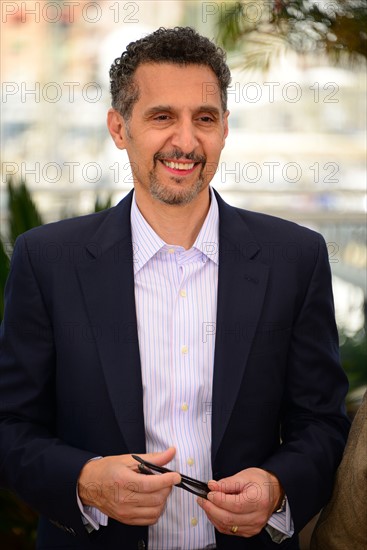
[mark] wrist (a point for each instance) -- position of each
(88, 487)
(278, 494)
(280, 505)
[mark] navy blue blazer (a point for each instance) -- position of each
(70, 377)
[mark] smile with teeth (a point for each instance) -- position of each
(179, 165)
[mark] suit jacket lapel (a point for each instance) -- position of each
(107, 283)
(241, 290)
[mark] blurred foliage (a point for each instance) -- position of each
(261, 29)
(101, 204)
(24, 213)
(353, 353)
(4, 270)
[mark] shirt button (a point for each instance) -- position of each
(184, 350)
(171, 250)
(194, 522)
(190, 461)
(183, 293)
(184, 407)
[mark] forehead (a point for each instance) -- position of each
(174, 84)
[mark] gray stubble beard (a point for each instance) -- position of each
(171, 197)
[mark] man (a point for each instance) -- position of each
(342, 523)
(174, 327)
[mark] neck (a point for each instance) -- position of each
(175, 224)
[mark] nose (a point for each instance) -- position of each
(185, 136)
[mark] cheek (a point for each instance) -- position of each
(214, 151)
(215, 145)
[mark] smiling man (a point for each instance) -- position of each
(179, 330)
(173, 136)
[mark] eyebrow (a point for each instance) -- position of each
(168, 108)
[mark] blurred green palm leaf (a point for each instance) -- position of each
(102, 204)
(4, 269)
(23, 213)
(259, 29)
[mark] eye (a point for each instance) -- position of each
(162, 117)
(206, 118)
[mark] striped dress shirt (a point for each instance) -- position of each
(176, 298)
(176, 294)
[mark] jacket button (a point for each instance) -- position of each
(141, 544)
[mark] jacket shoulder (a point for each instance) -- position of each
(81, 228)
(268, 227)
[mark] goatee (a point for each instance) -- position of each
(181, 194)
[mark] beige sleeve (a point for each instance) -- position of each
(343, 522)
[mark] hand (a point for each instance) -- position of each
(114, 485)
(242, 504)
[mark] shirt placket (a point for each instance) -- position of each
(185, 388)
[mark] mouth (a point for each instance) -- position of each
(179, 168)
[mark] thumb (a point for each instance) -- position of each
(161, 458)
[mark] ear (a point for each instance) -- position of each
(225, 126)
(116, 127)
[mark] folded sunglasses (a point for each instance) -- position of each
(198, 488)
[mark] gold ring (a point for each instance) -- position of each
(234, 529)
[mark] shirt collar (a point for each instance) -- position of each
(146, 243)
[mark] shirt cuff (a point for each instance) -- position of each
(92, 518)
(280, 525)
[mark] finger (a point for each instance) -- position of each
(246, 496)
(153, 483)
(156, 499)
(130, 503)
(132, 481)
(238, 503)
(225, 529)
(229, 515)
(247, 525)
(138, 516)
(219, 517)
(219, 514)
(228, 485)
(161, 459)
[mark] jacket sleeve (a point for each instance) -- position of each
(42, 469)
(314, 426)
